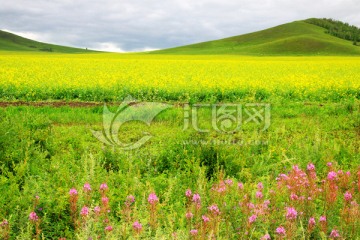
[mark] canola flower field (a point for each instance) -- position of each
(110, 77)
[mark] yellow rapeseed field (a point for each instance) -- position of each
(162, 77)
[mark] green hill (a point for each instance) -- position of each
(295, 38)
(12, 42)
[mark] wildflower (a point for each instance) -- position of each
(87, 187)
(84, 211)
(240, 186)
(97, 209)
(265, 237)
(229, 182)
(250, 205)
(334, 234)
(348, 196)
(193, 232)
(260, 186)
(152, 199)
(205, 219)
(214, 209)
(293, 196)
(129, 200)
(104, 187)
(332, 176)
(108, 228)
(322, 219)
(196, 198)
(252, 219)
(137, 226)
(310, 167)
(188, 193)
(189, 215)
(291, 213)
(312, 222)
(105, 201)
(4, 223)
(280, 231)
(329, 164)
(259, 195)
(33, 217)
(73, 192)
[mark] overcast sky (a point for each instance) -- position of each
(135, 25)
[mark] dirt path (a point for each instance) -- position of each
(53, 104)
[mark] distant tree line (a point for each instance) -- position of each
(338, 29)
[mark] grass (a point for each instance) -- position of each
(46, 151)
(291, 39)
(12, 42)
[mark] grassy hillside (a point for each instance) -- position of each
(295, 38)
(12, 42)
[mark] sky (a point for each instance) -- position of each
(143, 25)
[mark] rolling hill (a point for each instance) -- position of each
(12, 42)
(295, 38)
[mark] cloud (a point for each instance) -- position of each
(131, 25)
(108, 47)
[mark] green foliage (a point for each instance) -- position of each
(337, 28)
(46, 151)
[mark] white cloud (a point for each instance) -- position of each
(108, 47)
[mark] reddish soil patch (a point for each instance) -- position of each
(52, 104)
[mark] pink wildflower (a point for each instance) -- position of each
(152, 199)
(97, 209)
(259, 194)
(240, 186)
(280, 231)
(105, 201)
(104, 187)
(252, 219)
(332, 176)
(189, 215)
(348, 196)
(108, 228)
(196, 198)
(130, 199)
(193, 232)
(73, 192)
(260, 186)
(205, 219)
(334, 234)
(137, 226)
(188, 193)
(310, 167)
(291, 213)
(87, 187)
(33, 217)
(312, 222)
(214, 209)
(229, 182)
(265, 237)
(84, 211)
